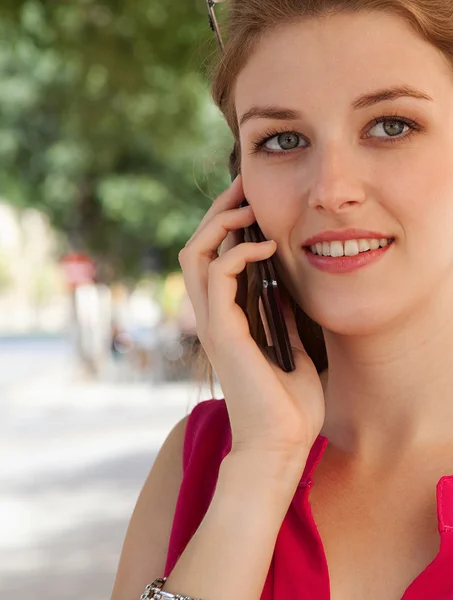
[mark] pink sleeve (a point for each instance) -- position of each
(207, 441)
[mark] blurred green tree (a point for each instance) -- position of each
(107, 125)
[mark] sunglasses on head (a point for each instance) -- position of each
(213, 21)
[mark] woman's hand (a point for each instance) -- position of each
(270, 411)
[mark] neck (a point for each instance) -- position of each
(390, 394)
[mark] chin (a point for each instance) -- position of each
(358, 320)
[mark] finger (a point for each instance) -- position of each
(226, 318)
(230, 198)
(242, 290)
(208, 240)
(234, 238)
(196, 258)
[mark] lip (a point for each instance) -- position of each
(342, 235)
(345, 264)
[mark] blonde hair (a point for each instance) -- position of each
(248, 22)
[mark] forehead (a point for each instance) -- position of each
(333, 59)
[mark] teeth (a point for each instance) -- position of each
(348, 248)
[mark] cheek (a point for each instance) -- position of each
(422, 201)
(274, 196)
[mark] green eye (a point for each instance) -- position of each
(288, 141)
(392, 127)
(283, 141)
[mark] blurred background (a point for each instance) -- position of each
(111, 151)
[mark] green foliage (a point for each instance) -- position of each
(107, 125)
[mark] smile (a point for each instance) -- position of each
(356, 257)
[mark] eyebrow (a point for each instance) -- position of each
(364, 101)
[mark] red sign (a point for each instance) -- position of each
(78, 268)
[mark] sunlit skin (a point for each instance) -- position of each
(388, 327)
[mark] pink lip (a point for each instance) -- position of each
(345, 264)
(343, 235)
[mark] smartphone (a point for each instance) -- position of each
(270, 296)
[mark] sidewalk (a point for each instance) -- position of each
(78, 453)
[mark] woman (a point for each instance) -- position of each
(334, 483)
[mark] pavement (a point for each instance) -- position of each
(75, 454)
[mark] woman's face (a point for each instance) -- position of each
(340, 168)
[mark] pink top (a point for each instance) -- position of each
(298, 568)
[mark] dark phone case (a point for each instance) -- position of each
(270, 296)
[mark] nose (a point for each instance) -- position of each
(335, 182)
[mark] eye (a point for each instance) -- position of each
(392, 127)
(273, 142)
(284, 141)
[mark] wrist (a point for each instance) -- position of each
(260, 469)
